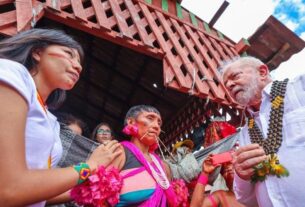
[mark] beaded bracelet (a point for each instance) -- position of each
(203, 179)
(83, 171)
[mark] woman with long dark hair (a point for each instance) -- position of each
(102, 133)
(36, 68)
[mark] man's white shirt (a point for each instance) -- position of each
(286, 191)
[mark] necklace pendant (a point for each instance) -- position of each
(271, 166)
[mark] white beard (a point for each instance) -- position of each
(248, 93)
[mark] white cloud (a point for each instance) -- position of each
(241, 18)
(295, 2)
(303, 35)
(291, 25)
(282, 17)
(302, 19)
(301, 8)
(291, 68)
(205, 9)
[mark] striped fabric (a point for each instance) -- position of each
(138, 185)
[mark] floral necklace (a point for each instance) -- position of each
(272, 143)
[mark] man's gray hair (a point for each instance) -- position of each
(241, 62)
(134, 111)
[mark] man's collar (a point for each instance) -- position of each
(252, 112)
(267, 89)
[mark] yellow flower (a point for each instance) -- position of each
(278, 169)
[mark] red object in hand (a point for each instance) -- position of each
(222, 158)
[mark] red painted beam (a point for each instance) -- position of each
(78, 9)
(24, 12)
(100, 15)
(54, 4)
(3, 2)
(7, 19)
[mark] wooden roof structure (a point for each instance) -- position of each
(190, 50)
(137, 51)
(274, 43)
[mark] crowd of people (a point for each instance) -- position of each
(37, 67)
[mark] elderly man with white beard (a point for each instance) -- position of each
(269, 165)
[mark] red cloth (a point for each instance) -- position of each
(216, 131)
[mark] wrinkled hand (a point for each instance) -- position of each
(245, 158)
(104, 154)
(207, 165)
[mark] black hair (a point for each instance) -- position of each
(66, 119)
(93, 136)
(20, 47)
(134, 111)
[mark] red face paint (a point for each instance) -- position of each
(54, 54)
(60, 56)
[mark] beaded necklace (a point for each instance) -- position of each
(160, 176)
(272, 143)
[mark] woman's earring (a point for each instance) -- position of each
(131, 130)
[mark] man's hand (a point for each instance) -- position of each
(245, 158)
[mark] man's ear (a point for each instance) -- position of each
(263, 71)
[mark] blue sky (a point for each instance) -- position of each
(292, 14)
(243, 17)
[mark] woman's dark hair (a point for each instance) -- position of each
(66, 119)
(93, 136)
(134, 111)
(20, 47)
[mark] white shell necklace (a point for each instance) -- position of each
(160, 178)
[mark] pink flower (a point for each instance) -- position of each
(100, 189)
(131, 130)
(181, 192)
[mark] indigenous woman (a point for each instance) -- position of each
(36, 68)
(145, 182)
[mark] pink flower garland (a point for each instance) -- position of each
(131, 129)
(101, 188)
(181, 192)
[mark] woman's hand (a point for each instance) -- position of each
(104, 154)
(207, 166)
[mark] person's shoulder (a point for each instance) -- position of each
(120, 160)
(14, 68)
(18, 77)
(6, 63)
(299, 78)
